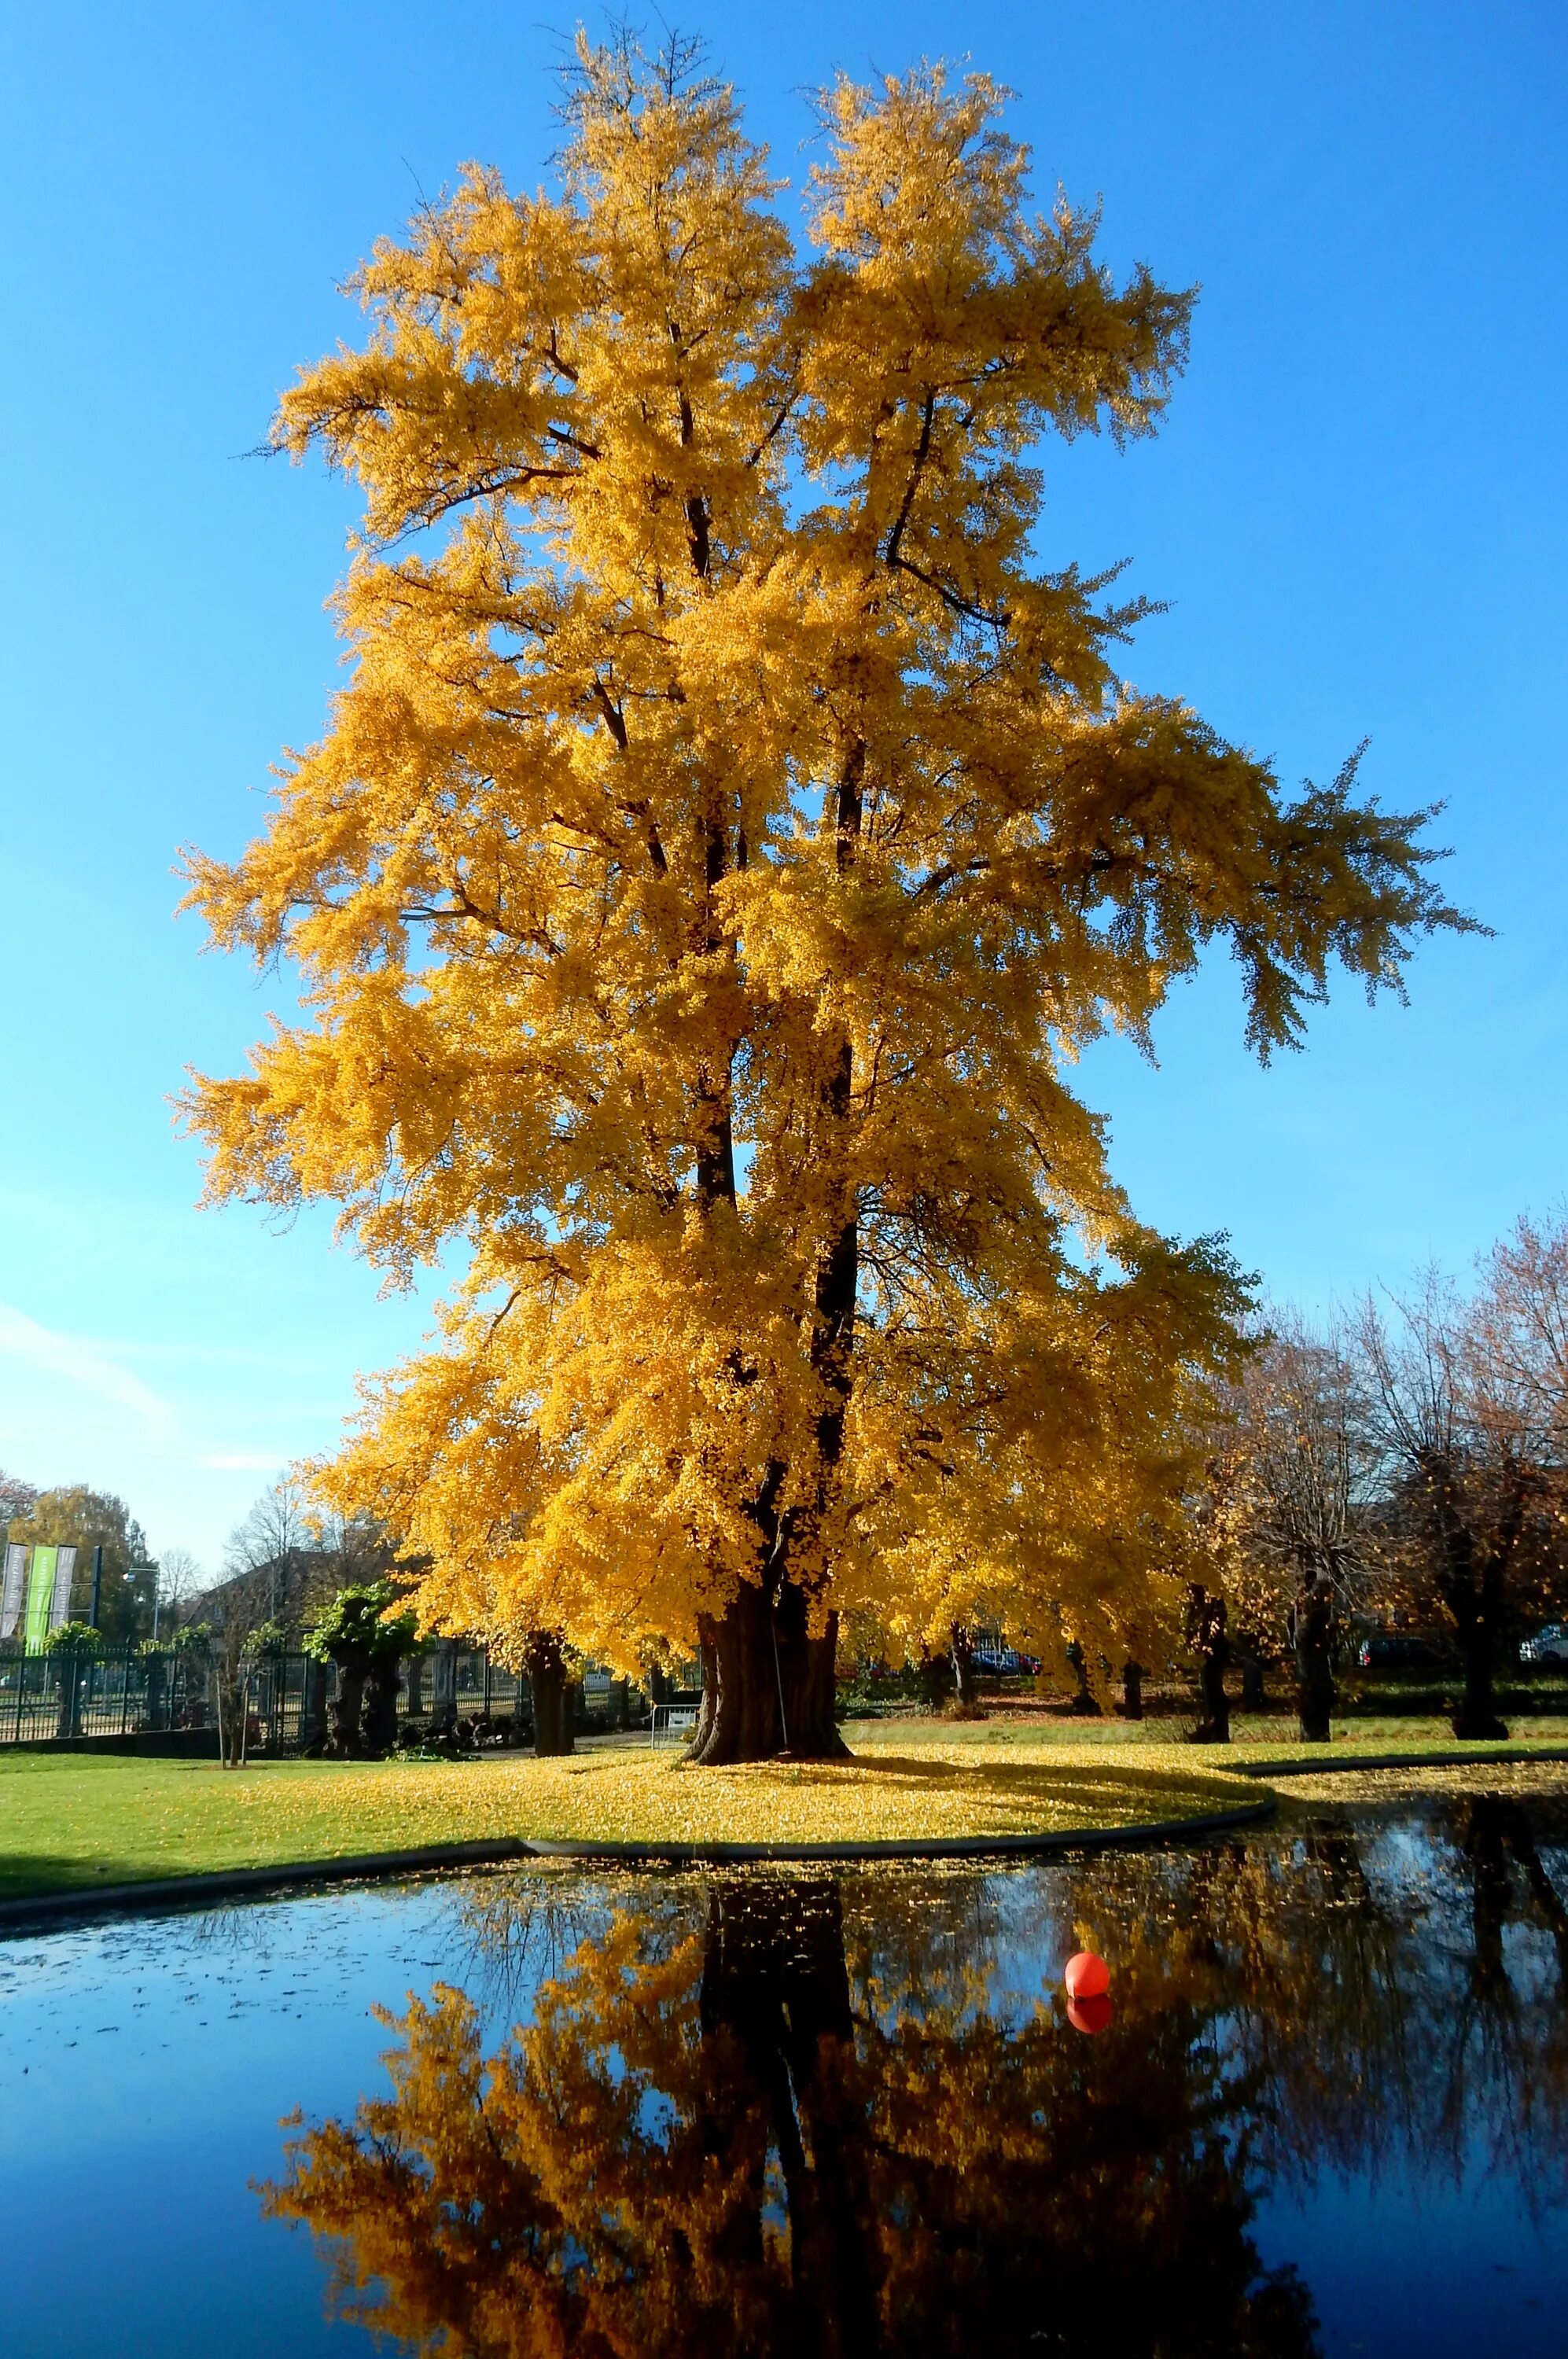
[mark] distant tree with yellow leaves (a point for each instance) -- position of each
(727, 837)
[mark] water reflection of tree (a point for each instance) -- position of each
(1396, 2001)
(787, 2115)
(722, 2147)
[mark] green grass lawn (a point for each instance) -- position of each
(70, 1821)
(1255, 1736)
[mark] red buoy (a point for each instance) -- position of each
(1086, 1975)
(1089, 2015)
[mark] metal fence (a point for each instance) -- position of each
(129, 1691)
(120, 1692)
(133, 1691)
(291, 1696)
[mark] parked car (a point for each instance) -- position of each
(1004, 1662)
(1548, 1645)
(1388, 1653)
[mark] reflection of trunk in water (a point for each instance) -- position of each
(774, 1985)
(1497, 1838)
(1498, 1831)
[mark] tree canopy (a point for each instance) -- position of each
(728, 837)
(85, 1519)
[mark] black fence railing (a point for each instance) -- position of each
(132, 1691)
(289, 1697)
(119, 1693)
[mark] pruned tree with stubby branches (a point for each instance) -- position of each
(729, 835)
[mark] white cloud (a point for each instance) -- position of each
(90, 1369)
(244, 1462)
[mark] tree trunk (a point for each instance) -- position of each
(1312, 1640)
(1254, 1696)
(159, 1688)
(767, 1685)
(313, 1708)
(935, 1674)
(443, 1688)
(1132, 1690)
(1474, 1589)
(553, 1695)
(965, 1682)
(381, 1706)
(66, 1715)
(347, 1743)
(1207, 1636)
(1086, 1704)
(1214, 1726)
(233, 1705)
(1477, 1712)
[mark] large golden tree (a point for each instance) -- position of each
(727, 837)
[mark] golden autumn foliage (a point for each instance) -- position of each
(727, 839)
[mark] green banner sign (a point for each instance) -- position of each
(40, 1597)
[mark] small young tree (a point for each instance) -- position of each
(241, 1619)
(728, 837)
(74, 1644)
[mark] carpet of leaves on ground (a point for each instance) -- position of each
(71, 1822)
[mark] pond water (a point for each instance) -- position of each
(548, 2111)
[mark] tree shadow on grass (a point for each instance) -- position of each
(38, 1875)
(1065, 1793)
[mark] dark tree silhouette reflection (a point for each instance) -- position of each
(778, 2114)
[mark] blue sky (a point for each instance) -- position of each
(1356, 510)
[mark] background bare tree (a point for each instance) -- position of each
(182, 1578)
(1465, 1402)
(17, 1499)
(1290, 1480)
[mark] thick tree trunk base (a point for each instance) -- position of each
(1476, 1716)
(767, 1685)
(1214, 1727)
(381, 1708)
(1478, 1722)
(345, 1742)
(1316, 1709)
(553, 1697)
(1131, 1704)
